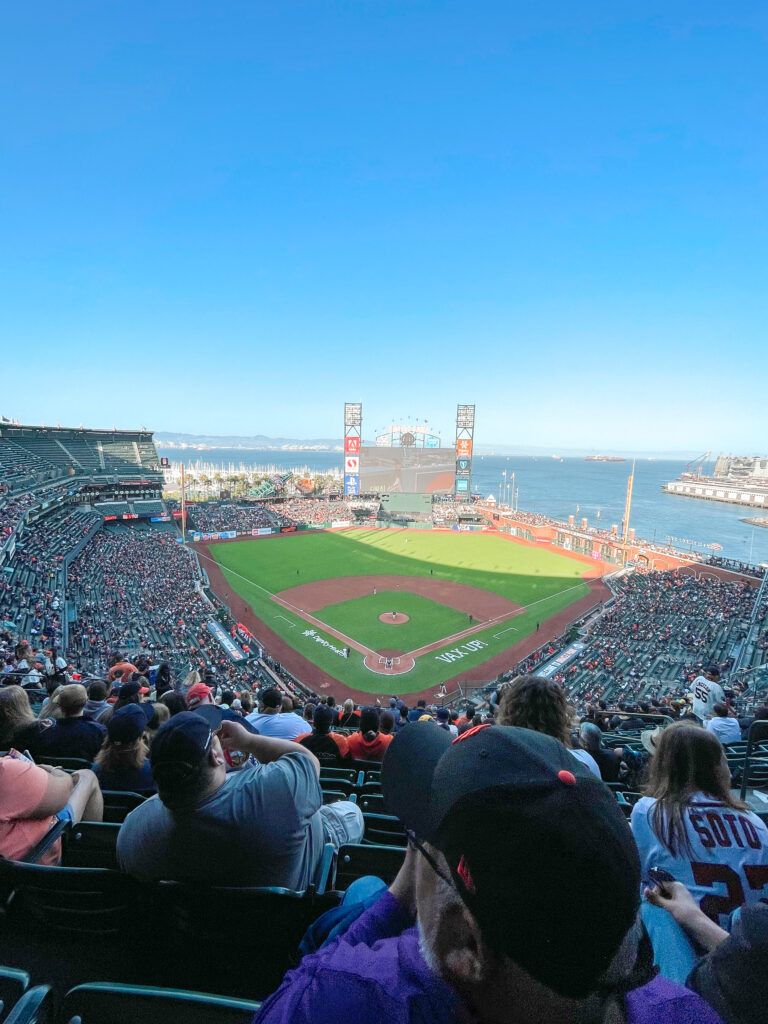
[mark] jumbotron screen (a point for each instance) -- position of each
(409, 470)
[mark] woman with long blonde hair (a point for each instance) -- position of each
(18, 726)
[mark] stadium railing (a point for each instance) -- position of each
(98, 1002)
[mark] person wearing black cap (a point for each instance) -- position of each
(330, 748)
(516, 903)
(262, 825)
(269, 721)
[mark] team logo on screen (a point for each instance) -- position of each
(352, 464)
(352, 445)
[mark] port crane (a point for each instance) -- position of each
(695, 466)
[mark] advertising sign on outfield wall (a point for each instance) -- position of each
(352, 465)
(351, 484)
(263, 531)
(464, 446)
(462, 485)
(352, 445)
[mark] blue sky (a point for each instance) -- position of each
(233, 217)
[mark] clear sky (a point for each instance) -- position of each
(231, 217)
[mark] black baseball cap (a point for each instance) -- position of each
(271, 698)
(183, 739)
(129, 722)
(538, 848)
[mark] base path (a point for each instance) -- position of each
(480, 604)
(322, 682)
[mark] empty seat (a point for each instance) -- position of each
(356, 860)
(91, 844)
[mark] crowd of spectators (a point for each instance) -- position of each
(489, 821)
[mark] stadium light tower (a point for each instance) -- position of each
(465, 432)
(353, 422)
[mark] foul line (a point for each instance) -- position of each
(427, 648)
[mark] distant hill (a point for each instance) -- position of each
(260, 442)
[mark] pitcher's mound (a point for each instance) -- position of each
(394, 618)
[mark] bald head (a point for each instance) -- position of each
(590, 736)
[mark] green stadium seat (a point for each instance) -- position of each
(70, 764)
(247, 937)
(118, 804)
(337, 786)
(13, 984)
(108, 1003)
(91, 844)
(384, 830)
(372, 803)
(350, 775)
(356, 860)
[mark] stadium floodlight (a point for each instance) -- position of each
(353, 414)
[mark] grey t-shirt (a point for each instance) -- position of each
(262, 827)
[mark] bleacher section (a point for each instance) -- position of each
(30, 455)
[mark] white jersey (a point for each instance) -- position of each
(705, 695)
(728, 865)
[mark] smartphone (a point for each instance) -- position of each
(18, 756)
(660, 878)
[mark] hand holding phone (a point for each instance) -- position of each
(661, 879)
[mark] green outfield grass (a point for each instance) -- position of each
(541, 580)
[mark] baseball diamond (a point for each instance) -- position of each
(466, 605)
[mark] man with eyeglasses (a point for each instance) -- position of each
(516, 902)
(263, 825)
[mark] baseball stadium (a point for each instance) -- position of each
(165, 648)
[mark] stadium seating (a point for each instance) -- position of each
(102, 1002)
(356, 860)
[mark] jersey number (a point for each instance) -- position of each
(707, 874)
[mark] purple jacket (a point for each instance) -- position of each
(375, 972)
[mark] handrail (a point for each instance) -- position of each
(752, 742)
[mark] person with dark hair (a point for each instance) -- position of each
(123, 762)
(707, 692)
(163, 679)
(330, 748)
(531, 702)
(607, 760)
(724, 724)
(175, 702)
(368, 744)
(516, 902)
(386, 723)
(270, 720)
(691, 825)
(97, 701)
(262, 825)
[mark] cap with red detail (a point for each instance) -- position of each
(529, 835)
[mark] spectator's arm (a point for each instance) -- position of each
(678, 902)
(264, 748)
(58, 790)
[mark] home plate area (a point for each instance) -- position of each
(389, 663)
